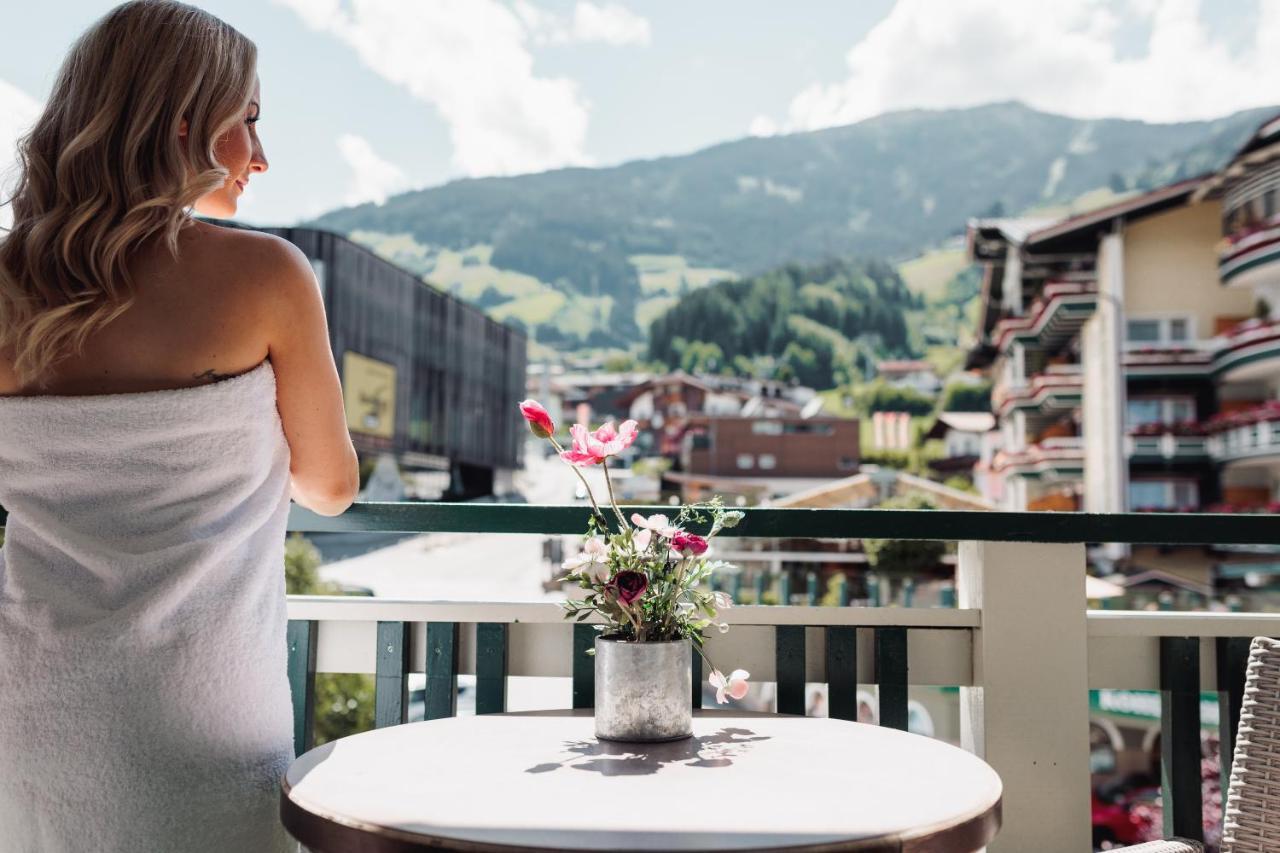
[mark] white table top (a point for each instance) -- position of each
(542, 781)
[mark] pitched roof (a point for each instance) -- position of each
(961, 422)
(1260, 148)
(1136, 207)
(903, 366)
(861, 488)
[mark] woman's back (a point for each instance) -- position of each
(197, 317)
(165, 386)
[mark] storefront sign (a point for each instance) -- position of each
(1145, 705)
(369, 392)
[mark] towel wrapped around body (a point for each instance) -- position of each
(144, 701)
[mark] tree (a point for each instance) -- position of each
(966, 397)
(701, 357)
(818, 321)
(879, 396)
(619, 362)
(994, 211)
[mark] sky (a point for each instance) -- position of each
(362, 99)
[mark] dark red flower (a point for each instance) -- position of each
(630, 585)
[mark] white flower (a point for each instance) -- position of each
(659, 524)
(640, 539)
(592, 562)
(723, 600)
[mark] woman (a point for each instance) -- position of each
(165, 384)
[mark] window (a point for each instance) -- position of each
(1143, 331)
(1186, 493)
(745, 461)
(1180, 409)
(808, 429)
(779, 428)
(1142, 411)
(1163, 494)
(767, 461)
(1158, 330)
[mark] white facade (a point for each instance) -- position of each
(1105, 465)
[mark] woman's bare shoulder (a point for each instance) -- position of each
(248, 254)
(255, 265)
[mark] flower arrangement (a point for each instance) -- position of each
(1189, 428)
(643, 575)
(1267, 411)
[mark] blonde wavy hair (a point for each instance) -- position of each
(105, 169)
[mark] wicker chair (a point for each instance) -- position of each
(1251, 822)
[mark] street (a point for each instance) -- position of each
(471, 566)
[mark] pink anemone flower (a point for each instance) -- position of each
(659, 524)
(592, 562)
(735, 685)
(591, 448)
(540, 423)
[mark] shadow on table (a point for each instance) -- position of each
(615, 758)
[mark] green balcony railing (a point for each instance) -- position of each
(1021, 640)
(1020, 644)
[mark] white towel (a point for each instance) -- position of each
(144, 701)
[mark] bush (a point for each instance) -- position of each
(960, 483)
(344, 705)
(302, 569)
(904, 556)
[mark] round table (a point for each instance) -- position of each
(541, 781)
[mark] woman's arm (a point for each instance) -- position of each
(325, 471)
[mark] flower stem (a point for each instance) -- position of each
(590, 495)
(698, 648)
(609, 482)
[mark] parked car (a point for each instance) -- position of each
(1114, 823)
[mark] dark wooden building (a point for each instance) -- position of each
(426, 377)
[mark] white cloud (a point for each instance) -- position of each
(18, 111)
(470, 59)
(1060, 57)
(763, 126)
(611, 24)
(372, 178)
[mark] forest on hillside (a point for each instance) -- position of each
(824, 325)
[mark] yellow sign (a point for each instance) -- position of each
(369, 392)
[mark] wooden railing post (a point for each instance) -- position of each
(1028, 714)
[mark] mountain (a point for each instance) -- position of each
(591, 255)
